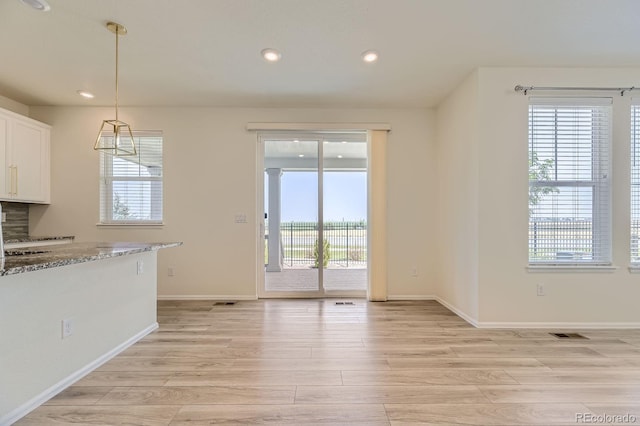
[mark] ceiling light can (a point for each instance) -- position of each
(370, 56)
(271, 55)
(39, 5)
(85, 94)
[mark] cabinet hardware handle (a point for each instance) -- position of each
(13, 189)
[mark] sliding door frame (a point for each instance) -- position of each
(318, 137)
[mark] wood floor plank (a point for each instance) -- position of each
(225, 377)
(484, 414)
(630, 411)
(213, 352)
(80, 395)
(312, 364)
(588, 363)
(513, 351)
(388, 394)
(125, 378)
(618, 393)
(461, 363)
(164, 364)
(388, 352)
(615, 351)
(576, 376)
(190, 395)
(427, 377)
(298, 414)
(94, 415)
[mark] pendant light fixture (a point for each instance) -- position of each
(115, 136)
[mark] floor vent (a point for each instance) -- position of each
(345, 303)
(224, 303)
(568, 336)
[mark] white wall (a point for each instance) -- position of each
(506, 289)
(457, 157)
(210, 175)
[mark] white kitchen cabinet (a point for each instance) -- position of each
(25, 144)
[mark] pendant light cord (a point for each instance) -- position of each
(117, 37)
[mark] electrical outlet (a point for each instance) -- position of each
(171, 271)
(140, 267)
(414, 271)
(68, 326)
(540, 290)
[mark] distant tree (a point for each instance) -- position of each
(539, 170)
(120, 208)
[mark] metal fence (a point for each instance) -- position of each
(345, 244)
(560, 240)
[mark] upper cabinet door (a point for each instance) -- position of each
(4, 162)
(30, 159)
(24, 147)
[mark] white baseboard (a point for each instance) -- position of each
(411, 297)
(564, 326)
(205, 297)
(49, 393)
(458, 312)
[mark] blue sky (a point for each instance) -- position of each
(345, 196)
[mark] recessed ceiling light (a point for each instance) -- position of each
(301, 155)
(344, 141)
(40, 5)
(271, 55)
(339, 156)
(85, 94)
(370, 56)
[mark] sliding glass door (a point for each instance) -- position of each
(344, 201)
(315, 218)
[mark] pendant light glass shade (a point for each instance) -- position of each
(115, 136)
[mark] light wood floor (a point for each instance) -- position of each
(302, 362)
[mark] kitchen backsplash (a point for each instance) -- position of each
(17, 224)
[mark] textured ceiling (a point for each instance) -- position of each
(207, 52)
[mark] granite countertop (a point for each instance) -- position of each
(36, 239)
(30, 259)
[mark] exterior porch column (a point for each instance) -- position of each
(274, 262)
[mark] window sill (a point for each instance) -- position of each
(555, 267)
(634, 269)
(130, 225)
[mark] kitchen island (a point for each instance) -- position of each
(65, 310)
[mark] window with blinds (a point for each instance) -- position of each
(131, 186)
(635, 182)
(569, 186)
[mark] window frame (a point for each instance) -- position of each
(634, 151)
(107, 186)
(600, 182)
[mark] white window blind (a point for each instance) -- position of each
(131, 186)
(569, 187)
(635, 181)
